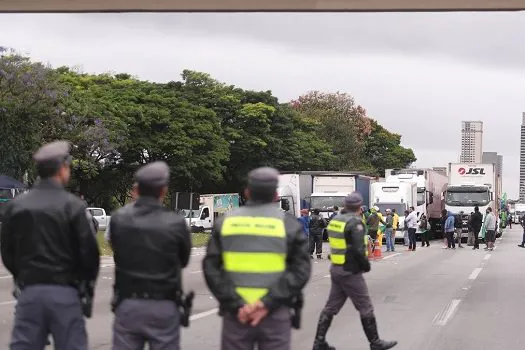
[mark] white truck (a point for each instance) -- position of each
(519, 211)
(471, 185)
(330, 190)
(394, 195)
(430, 186)
(211, 206)
(294, 191)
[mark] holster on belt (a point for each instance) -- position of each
(116, 300)
(184, 304)
(86, 292)
(297, 308)
(16, 290)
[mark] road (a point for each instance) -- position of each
(429, 299)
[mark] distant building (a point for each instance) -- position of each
(440, 169)
(497, 160)
(471, 142)
(493, 158)
(522, 160)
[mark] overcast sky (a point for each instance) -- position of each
(417, 74)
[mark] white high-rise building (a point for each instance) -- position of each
(522, 160)
(471, 142)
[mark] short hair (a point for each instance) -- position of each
(261, 193)
(147, 190)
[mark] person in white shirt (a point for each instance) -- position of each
(490, 227)
(411, 222)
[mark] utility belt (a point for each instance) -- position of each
(184, 302)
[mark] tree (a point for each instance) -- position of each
(341, 122)
(383, 150)
(29, 97)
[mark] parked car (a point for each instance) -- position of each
(101, 217)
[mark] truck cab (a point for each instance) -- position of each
(394, 195)
(465, 197)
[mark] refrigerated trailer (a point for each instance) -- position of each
(330, 189)
(430, 186)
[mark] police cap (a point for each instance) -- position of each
(354, 201)
(266, 177)
(55, 152)
(156, 174)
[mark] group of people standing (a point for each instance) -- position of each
(453, 228)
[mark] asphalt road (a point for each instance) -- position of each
(431, 299)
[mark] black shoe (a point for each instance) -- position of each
(325, 320)
(319, 256)
(521, 245)
(428, 245)
(318, 345)
(311, 256)
(370, 328)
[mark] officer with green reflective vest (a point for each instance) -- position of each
(348, 253)
(256, 266)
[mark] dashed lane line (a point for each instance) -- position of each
(447, 313)
(487, 257)
(475, 273)
(204, 314)
(391, 256)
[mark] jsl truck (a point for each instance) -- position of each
(394, 195)
(519, 211)
(430, 186)
(471, 185)
(330, 189)
(211, 206)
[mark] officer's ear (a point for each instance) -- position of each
(135, 191)
(163, 193)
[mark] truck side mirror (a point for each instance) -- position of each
(285, 204)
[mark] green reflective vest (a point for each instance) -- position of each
(254, 250)
(336, 238)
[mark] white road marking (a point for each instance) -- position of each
(203, 314)
(391, 256)
(487, 257)
(446, 314)
(326, 276)
(198, 271)
(5, 277)
(3, 303)
(475, 273)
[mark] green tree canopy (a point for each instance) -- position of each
(210, 133)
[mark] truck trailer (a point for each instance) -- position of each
(330, 189)
(430, 186)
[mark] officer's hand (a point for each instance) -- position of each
(260, 312)
(243, 315)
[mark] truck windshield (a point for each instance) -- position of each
(326, 202)
(399, 207)
(421, 196)
(469, 198)
(194, 214)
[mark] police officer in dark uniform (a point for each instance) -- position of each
(256, 264)
(348, 253)
(151, 246)
(49, 246)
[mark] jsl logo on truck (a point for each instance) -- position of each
(471, 171)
